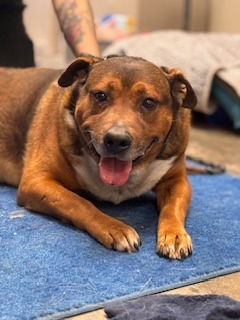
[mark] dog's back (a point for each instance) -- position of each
(20, 91)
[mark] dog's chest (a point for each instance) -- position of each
(140, 180)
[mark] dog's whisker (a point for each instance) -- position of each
(72, 103)
(90, 142)
(87, 131)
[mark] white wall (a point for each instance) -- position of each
(51, 49)
(224, 16)
(156, 14)
(43, 28)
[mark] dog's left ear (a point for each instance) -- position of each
(78, 70)
(181, 90)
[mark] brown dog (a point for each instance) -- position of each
(113, 127)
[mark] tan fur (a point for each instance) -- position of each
(51, 136)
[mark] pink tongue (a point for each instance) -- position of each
(113, 171)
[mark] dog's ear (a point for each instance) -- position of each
(78, 70)
(181, 90)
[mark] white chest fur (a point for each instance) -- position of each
(140, 180)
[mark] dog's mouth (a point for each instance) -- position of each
(114, 171)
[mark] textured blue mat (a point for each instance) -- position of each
(51, 270)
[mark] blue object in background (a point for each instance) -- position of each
(229, 111)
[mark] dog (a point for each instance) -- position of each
(113, 127)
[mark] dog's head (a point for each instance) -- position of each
(124, 109)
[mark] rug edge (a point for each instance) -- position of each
(100, 305)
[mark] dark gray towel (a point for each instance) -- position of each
(176, 307)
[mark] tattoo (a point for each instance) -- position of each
(71, 21)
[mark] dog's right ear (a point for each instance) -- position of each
(78, 70)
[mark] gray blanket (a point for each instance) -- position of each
(199, 55)
(176, 307)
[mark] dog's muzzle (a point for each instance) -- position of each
(117, 156)
(115, 165)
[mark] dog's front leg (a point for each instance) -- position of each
(173, 197)
(50, 197)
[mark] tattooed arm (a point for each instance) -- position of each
(76, 20)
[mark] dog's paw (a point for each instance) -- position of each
(120, 237)
(174, 244)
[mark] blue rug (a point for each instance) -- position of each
(49, 270)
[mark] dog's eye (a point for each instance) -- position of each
(149, 103)
(100, 96)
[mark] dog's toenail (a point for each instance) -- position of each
(182, 254)
(136, 246)
(113, 247)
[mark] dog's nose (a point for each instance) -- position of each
(117, 140)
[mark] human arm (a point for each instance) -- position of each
(76, 21)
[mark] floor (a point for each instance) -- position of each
(223, 147)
